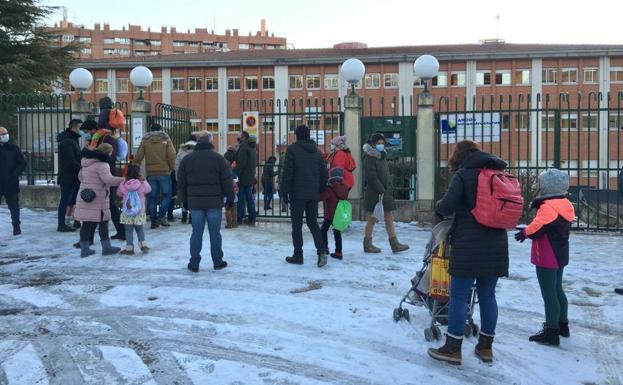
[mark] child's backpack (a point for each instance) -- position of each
(116, 119)
(343, 216)
(132, 204)
(499, 203)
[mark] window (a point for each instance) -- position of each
(331, 82)
(101, 86)
(109, 51)
(86, 51)
(212, 83)
(296, 82)
(457, 79)
(390, 80)
(154, 53)
(548, 122)
(212, 125)
(483, 78)
(417, 82)
(233, 83)
(177, 84)
(123, 85)
(109, 40)
(139, 42)
(590, 122)
(522, 77)
(156, 85)
(250, 83)
(568, 122)
(84, 39)
(196, 124)
(123, 51)
(616, 74)
(140, 53)
(194, 84)
(268, 124)
(506, 121)
(569, 76)
(503, 78)
(122, 40)
(331, 123)
(441, 80)
(313, 82)
(178, 43)
(549, 75)
(294, 122)
(268, 82)
(193, 44)
(155, 43)
(372, 81)
(243, 46)
(589, 168)
(522, 122)
(233, 127)
(615, 122)
(591, 75)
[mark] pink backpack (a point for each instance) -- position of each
(499, 203)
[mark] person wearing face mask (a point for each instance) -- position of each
(378, 186)
(68, 169)
(12, 163)
(340, 156)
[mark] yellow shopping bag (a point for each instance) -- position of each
(439, 278)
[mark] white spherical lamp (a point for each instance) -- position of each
(81, 79)
(352, 71)
(141, 77)
(426, 67)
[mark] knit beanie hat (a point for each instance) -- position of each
(336, 174)
(339, 141)
(104, 148)
(302, 132)
(552, 183)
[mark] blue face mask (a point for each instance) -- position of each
(85, 135)
(380, 147)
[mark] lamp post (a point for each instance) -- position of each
(426, 67)
(141, 78)
(81, 79)
(352, 71)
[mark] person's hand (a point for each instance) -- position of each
(520, 236)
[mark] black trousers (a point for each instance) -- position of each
(310, 209)
(337, 235)
(12, 200)
(115, 213)
(87, 231)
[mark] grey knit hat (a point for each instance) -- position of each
(552, 183)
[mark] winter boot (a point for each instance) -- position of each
(547, 336)
(144, 247)
(449, 352)
(563, 329)
(65, 229)
(163, 222)
(129, 250)
(155, 223)
(194, 269)
(336, 255)
(322, 259)
(484, 349)
(368, 247)
(295, 260)
(16, 230)
(184, 216)
(220, 266)
(234, 217)
(397, 247)
(107, 249)
(85, 251)
(229, 220)
(77, 244)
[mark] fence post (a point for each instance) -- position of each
(352, 130)
(557, 123)
(426, 146)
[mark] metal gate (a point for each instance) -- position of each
(176, 122)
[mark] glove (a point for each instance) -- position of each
(520, 236)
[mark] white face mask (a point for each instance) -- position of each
(332, 147)
(4, 138)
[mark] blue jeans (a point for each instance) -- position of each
(199, 218)
(459, 296)
(246, 194)
(67, 195)
(159, 184)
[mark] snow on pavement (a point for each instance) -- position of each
(145, 319)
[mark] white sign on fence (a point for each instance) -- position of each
(317, 136)
(137, 131)
(478, 127)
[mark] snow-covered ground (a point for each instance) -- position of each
(147, 320)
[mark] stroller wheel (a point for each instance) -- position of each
(475, 330)
(467, 330)
(397, 314)
(436, 332)
(429, 334)
(406, 315)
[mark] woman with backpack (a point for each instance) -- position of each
(477, 253)
(132, 193)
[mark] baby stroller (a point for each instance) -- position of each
(434, 293)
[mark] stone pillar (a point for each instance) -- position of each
(352, 129)
(140, 119)
(604, 156)
(426, 145)
(223, 125)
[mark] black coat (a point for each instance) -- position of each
(68, 158)
(268, 175)
(246, 161)
(304, 171)
(204, 179)
(12, 163)
(477, 251)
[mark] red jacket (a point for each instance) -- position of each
(344, 159)
(330, 197)
(549, 232)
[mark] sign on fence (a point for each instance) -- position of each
(250, 121)
(478, 127)
(137, 131)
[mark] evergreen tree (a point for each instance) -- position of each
(30, 60)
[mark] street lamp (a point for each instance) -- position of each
(352, 71)
(426, 68)
(81, 79)
(141, 78)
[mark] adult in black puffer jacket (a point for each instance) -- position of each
(68, 169)
(477, 254)
(304, 178)
(246, 162)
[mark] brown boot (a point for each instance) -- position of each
(368, 247)
(234, 217)
(397, 247)
(449, 352)
(484, 349)
(228, 220)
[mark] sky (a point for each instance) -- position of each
(322, 23)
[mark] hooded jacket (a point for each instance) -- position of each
(142, 187)
(185, 149)
(159, 154)
(377, 180)
(477, 251)
(68, 158)
(304, 172)
(332, 195)
(343, 158)
(246, 162)
(549, 232)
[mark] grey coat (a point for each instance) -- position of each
(377, 180)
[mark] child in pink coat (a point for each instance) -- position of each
(132, 192)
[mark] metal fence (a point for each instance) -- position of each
(175, 121)
(34, 121)
(580, 134)
(275, 132)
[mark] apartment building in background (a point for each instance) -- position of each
(103, 42)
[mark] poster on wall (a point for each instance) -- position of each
(250, 123)
(478, 127)
(137, 131)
